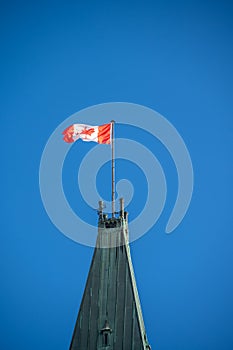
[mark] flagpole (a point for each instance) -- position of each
(113, 168)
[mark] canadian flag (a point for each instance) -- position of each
(100, 134)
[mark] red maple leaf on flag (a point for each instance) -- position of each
(88, 131)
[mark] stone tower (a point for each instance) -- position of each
(110, 316)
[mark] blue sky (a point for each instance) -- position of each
(175, 57)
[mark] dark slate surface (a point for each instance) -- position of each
(110, 314)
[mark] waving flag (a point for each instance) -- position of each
(100, 134)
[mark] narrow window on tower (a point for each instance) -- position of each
(105, 339)
(106, 331)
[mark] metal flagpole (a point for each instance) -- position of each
(113, 169)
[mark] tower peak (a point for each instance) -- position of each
(110, 315)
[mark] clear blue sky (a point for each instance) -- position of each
(172, 56)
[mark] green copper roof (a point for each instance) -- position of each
(110, 314)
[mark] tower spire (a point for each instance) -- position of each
(110, 315)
